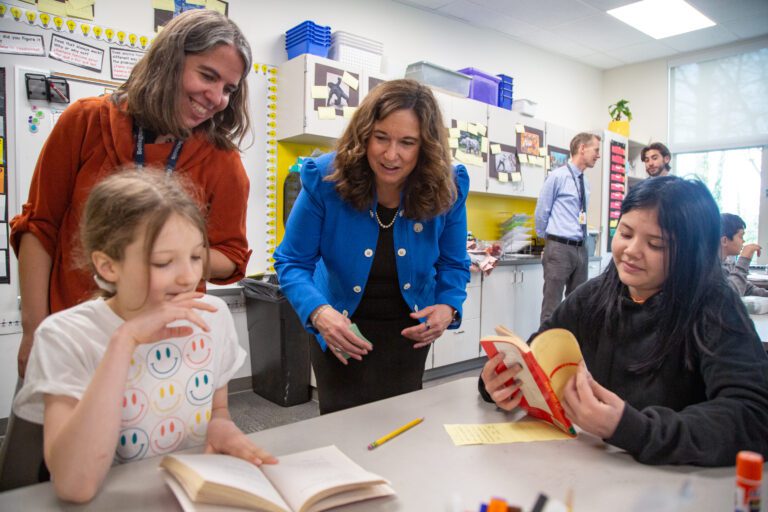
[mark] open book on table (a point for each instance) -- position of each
(308, 481)
(548, 363)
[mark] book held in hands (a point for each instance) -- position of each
(552, 358)
(309, 481)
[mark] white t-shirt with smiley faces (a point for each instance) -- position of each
(167, 400)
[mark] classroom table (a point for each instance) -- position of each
(429, 473)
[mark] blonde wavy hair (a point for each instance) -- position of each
(430, 189)
(151, 93)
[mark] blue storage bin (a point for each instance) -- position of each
(316, 38)
(307, 47)
(308, 26)
(484, 87)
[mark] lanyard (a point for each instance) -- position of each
(138, 155)
(578, 188)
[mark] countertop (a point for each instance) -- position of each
(535, 260)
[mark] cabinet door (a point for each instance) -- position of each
(502, 130)
(593, 269)
(325, 114)
(498, 296)
(528, 292)
(458, 344)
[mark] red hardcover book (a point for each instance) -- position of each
(548, 363)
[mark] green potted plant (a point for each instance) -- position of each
(617, 111)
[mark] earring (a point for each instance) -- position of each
(104, 285)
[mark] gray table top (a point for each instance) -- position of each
(429, 473)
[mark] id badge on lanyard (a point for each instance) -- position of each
(582, 217)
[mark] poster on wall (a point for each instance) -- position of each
(558, 157)
(22, 44)
(121, 62)
(5, 271)
(529, 141)
(76, 53)
(335, 91)
(504, 164)
(166, 10)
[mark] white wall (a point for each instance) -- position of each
(646, 87)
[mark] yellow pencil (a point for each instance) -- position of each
(394, 433)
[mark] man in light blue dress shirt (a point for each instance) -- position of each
(561, 218)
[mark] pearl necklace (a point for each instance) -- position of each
(392, 223)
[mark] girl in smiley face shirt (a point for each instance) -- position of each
(142, 370)
(675, 372)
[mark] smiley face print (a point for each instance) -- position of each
(200, 387)
(198, 351)
(197, 424)
(165, 397)
(135, 405)
(136, 368)
(167, 435)
(163, 360)
(132, 444)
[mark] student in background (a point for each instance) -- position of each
(732, 244)
(378, 237)
(675, 372)
(656, 158)
(182, 108)
(561, 218)
(139, 371)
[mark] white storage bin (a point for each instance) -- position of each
(440, 77)
(525, 107)
(355, 58)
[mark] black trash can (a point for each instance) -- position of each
(280, 366)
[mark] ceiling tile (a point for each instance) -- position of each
(753, 26)
(603, 31)
(640, 52)
(721, 11)
(604, 5)
(700, 39)
(486, 18)
(426, 4)
(600, 60)
(558, 43)
(542, 13)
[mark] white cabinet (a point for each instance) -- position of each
(502, 134)
(456, 345)
(313, 94)
(512, 297)
(593, 269)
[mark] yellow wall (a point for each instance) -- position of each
(485, 213)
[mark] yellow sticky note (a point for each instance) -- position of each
(495, 148)
(481, 129)
(196, 2)
(217, 6)
(453, 143)
(503, 177)
(462, 157)
(519, 128)
(522, 431)
(613, 223)
(349, 80)
(349, 112)
(484, 145)
(85, 13)
(163, 5)
(2, 140)
(543, 151)
(523, 158)
(454, 133)
(79, 4)
(326, 113)
(319, 91)
(547, 164)
(517, 177)
(52, 7)
(472, 128)
(461, 125)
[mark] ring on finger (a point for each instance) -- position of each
(426, 324)
(337, 349)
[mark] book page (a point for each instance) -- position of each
(228, 471)
(301, 476)
(558, 354)
(512, 355)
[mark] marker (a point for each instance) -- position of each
(394, 433)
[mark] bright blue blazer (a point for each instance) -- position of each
(327, 252)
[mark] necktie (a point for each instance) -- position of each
(583, 198)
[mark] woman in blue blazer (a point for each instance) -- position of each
(377, 241)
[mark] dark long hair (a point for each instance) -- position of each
(695, 292)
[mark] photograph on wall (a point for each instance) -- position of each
(558, 157)
(341, 89)
(172, 8)
(504, 164)
(529, 141)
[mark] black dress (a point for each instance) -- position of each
(393, 367)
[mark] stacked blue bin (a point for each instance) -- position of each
(505, 92)
(308, 37)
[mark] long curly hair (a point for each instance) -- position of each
(430, 189)
(151, 93)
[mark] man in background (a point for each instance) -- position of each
(732, 244)
(656, 158)
(561, 218)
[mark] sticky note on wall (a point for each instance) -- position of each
(326, 113)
